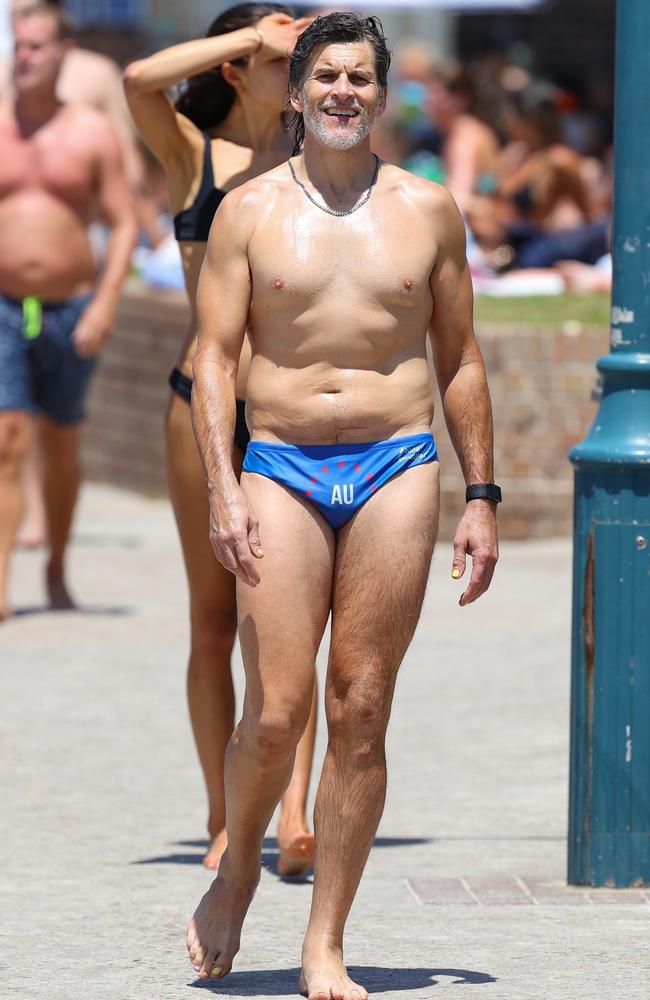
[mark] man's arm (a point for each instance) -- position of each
(465, 398)
(223, 300)
(116, 210)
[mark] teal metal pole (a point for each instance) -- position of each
(609, 807)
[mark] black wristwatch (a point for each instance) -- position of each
(483, 491)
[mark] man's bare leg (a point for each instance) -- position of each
(59, 448)
(281, 623)
(14, 437)
(382, 564)
(32, 531)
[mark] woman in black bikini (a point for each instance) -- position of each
(224, 129)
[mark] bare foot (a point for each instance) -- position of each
(214, 931)
(324, 976)
(297, 854)
(57, 592)
(217, 846)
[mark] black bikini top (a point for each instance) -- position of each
(194, 223)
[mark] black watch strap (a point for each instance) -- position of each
(483, 491)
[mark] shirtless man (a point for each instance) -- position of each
(337, 265)
(61, 165)
(86, 78)
(93, 79)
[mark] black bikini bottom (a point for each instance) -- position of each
(182, 386)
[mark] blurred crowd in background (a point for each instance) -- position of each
(528, 161)
(527, 158)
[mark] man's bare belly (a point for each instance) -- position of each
(44, 248)
(320, 404)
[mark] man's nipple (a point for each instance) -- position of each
(408, 284)
(278, 283)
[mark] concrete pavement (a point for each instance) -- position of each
(102, 817)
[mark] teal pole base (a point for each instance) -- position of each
(602, 859)
(609, 805)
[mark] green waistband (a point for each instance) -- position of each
(32, 317)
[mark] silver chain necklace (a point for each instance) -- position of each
(333, 211)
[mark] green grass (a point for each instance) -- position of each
(544, 310)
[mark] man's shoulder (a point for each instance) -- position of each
(425, 194)
(86, 67)
(94, 125)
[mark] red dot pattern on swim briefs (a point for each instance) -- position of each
(341, 465)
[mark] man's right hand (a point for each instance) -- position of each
(235, 534)
(280, 33)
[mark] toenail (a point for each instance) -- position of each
(216, 971)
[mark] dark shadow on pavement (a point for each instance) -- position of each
(269, 861)
(100, 610)
(284, 982)
(171, 859)
(270, 851)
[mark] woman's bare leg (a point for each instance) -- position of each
(296, 843)
(213, 619)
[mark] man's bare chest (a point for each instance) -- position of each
(55, 163)
(375, 261)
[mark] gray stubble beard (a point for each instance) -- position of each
(340, 140)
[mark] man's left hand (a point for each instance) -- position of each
(93, 329)
(476, 536)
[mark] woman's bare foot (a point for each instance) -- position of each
(59, 596)
(297, 854)
(214, 931)
(215, 851)
(324, 976)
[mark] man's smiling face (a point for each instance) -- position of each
(340, 98)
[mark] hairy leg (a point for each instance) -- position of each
(382, 565)
(59, 444)
(15, 429)
(281, 623)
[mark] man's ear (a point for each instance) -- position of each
(381, 107)
(232, 75)
(295, 99)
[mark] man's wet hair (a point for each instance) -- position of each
(52, 8)
(206, 98)
(329, 29)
